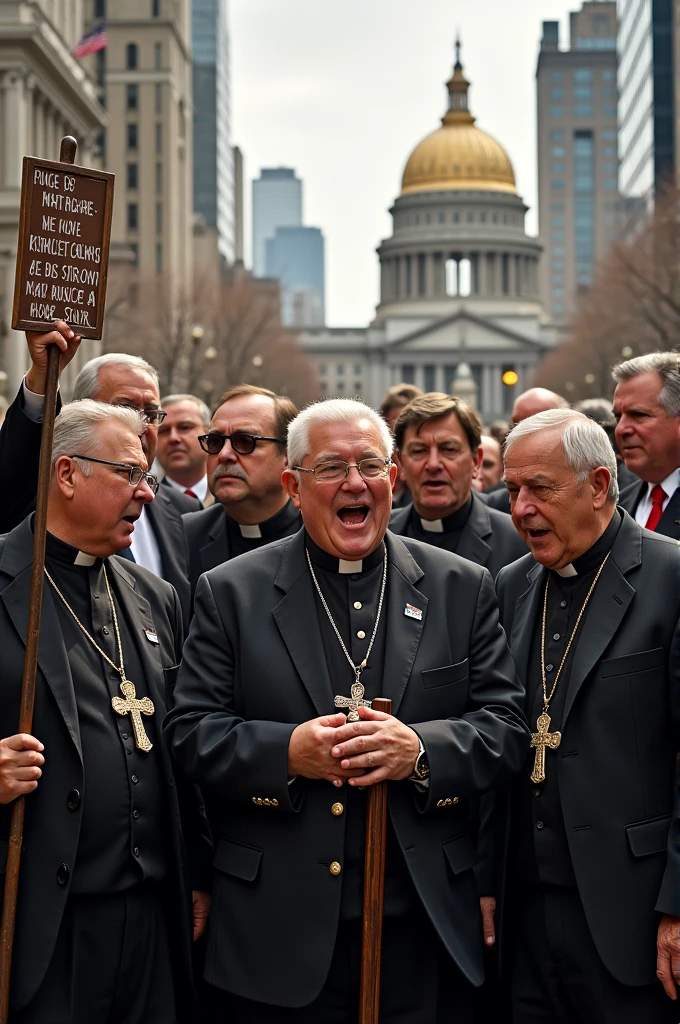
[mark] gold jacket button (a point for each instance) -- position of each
(337, 808)
(335, 868)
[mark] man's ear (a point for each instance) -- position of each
(63, 475)
(291, 484)
(477, 461)
(600, 479)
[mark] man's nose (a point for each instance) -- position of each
(143, 492)
(522, 504)
(434, 460)
(227, 454)
(354, 480)
(624, 428)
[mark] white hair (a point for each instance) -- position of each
(76, 428)
(667, 365)
(333, 410)
(585, 444)
(87, 381)
(201, 407)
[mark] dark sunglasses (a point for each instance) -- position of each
(242, 442)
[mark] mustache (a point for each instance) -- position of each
(235, 471)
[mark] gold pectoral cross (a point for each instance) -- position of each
(129, 705)
(541, 740)
(355, 700)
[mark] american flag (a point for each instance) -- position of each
(96, 39)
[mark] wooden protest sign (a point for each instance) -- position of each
(63, 252)
(88, 210)
(374, 892)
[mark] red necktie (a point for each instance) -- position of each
(192, 495)
(658, 497)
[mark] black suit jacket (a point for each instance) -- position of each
(253, 668)
(489, 538)
(19, 458)
(669, 524)
(616, 760)
(499, 499)
(207, 540)
(52, 829)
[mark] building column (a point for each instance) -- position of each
(419, 376)
(429, 275)
(402, 278)
(481, 274)
(486, 395)
(439, 377)
(512, 277)
(15, 140)
(383, 280)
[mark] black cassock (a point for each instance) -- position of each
(103, 915)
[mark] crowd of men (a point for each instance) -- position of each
(195, 788)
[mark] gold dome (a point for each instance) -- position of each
(458, 156)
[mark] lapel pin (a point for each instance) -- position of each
(151, 636)
(411, 612)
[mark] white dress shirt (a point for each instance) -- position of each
(200, 489)
(670, 485)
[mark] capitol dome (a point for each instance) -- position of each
(458, 156)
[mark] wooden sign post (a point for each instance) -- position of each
(374, 892)
(64, 234)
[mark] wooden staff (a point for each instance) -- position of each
(67, 155)
(374, 892)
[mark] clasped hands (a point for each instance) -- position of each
(376, 748)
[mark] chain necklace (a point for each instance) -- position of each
(129, 705)
(543, 738)
(357, 690)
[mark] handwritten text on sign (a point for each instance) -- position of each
(63, 247)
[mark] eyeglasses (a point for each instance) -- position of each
(150, 416)
(334, 472)
(135, 473)
(242, 442)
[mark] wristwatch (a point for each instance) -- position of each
(421, 770)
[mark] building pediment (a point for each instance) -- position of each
(464, 331)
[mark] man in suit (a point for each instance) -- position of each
(647, 409)
(393, 401)
(246, 447)
(104, 913)
(278, 638)
(529, 403)
(591, 882)
(118, 379)
(491, 470)
(179, 451)
(438, 440)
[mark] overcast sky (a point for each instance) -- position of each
(343, 90)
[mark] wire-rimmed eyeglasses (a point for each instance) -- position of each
(152, 417)
(242, 442)
(334, 472)
(135, 473)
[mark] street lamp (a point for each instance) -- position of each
(627, 352)
(210, 354)
(257, 362)
(589, 378)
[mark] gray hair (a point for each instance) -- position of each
(87, 381)
(585, 444)
(201, 407)
(667, 365)
(76, 428)
(333, 410)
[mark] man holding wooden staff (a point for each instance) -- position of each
(332, 617)
(104, 916)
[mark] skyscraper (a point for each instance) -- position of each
(647, 101)
(277, 203)
(213, 155)
(577, 152)
(146, 77)
(296, 257)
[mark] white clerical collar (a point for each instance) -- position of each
(348, 567)
(432, 525)
(82, 558)
(250, 532)
(567, 570)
